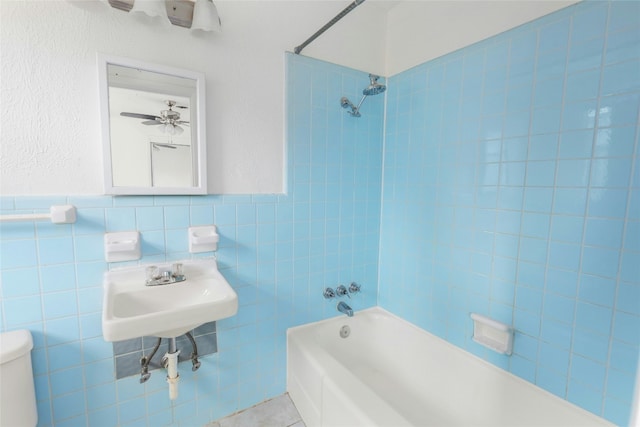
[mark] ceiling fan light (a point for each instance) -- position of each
(170, 129)
(178, 130)
(151, 10)
(205, 16)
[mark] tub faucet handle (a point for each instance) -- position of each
(354, 288)
(342, 291)
(328, 293)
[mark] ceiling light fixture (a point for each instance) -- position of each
(151, 10)
(172, 129)
(205, 16)
(199, 15)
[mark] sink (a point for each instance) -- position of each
(131, 309)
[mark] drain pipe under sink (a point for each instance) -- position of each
(170, 362)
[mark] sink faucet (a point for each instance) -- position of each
(155, 278)
(344, 308)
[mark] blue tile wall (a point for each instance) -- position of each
(512, 188)
(277, 251)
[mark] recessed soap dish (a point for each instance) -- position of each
(492, 334)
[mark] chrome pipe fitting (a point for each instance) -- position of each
(145, 361)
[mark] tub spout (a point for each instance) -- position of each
(344, 308)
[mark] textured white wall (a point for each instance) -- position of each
(421, 30)
(51, 141)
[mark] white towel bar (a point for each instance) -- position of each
(58, 214)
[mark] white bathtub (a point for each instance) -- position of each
(388, 372)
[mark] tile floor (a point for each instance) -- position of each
(277, 412)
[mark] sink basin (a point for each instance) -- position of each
(131, 309)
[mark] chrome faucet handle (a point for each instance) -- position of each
(354, 288)
(178, 272)
(329, 293)
(157, 277)
(152, 273)
(342, 291)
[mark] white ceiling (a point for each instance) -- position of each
(384, 4)
(422, 30)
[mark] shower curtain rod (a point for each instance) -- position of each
(328, 25)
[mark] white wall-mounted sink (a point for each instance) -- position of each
(131, 309)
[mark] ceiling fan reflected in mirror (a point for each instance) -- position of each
(168, 120)
(157, 146)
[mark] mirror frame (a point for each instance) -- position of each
(198, 145)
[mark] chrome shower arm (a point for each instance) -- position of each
(374, 88)
(360, 103)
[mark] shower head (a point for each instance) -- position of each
(374, 87)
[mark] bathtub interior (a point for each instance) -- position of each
(389, 372)
(339, 399)
(393, 368)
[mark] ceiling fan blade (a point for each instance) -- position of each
(184, 107)
(152, 122)
(140, 116)
(158, 145)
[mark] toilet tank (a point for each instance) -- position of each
(17, 392)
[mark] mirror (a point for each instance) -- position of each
(153, 128)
